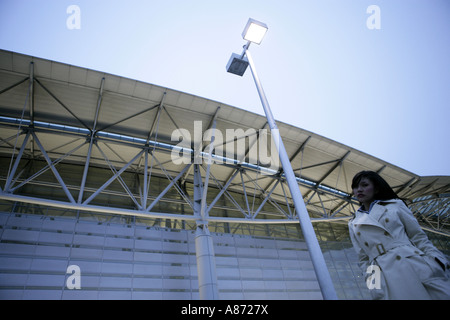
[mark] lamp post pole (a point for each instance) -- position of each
(321, 270)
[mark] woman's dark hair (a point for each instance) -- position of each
(382, 189)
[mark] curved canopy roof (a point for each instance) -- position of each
(127, 115)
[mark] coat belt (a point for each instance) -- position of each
(380, 249)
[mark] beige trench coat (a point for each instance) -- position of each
(391, 238)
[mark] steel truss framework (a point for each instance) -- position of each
(37, 145)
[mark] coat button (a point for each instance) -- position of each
(386, 233)
(398, 257)
(387, 220)
(366, 244)
(358, 233)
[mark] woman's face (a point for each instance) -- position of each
(365, 192)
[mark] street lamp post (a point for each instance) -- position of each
(254, 32)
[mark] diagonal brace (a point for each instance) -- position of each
(52, 167)
(114, 177)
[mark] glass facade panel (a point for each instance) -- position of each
(127, 257)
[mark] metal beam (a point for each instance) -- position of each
(110, 180)
(263, 192)
(222, 190)
(14, 85)
(31, 102)
(54, 163)
(145, 186)
(153, 215)
(338, 163)
(161, 147)
(62, 104)
(12, 172)
(250, 145)
(31, 90)
(171, 184)
(265, 200)
(280, 171)
(203, 208)
(177, 187)
(52, 167)
(198, 149)
(230, 197)
(128, 118)
(119, 178)
(91, 142)
(244, 189)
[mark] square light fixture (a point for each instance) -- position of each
(237, 64)
(254, 31)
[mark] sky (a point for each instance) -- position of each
(377, 80)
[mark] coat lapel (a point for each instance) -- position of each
(377, 211)
(372, 218)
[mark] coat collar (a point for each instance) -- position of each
(376, 212)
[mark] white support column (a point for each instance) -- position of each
(204, 250)
(206, 264)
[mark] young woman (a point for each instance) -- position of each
(395, 253)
